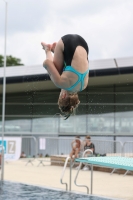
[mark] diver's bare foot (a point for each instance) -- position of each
(53, 46)
(46, 47)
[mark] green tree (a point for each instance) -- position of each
(10, 61)
(1, 61)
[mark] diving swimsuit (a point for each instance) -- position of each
(70, 44)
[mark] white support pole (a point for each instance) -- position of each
(4, 89)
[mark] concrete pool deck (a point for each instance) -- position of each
(104, 184)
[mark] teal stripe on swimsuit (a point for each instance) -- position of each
(81, 77)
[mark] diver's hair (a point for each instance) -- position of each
(68, 105)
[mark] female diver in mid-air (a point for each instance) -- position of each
(68, 69)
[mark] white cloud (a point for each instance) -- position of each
(105, 25)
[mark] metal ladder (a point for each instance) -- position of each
(70, 177)
(75, 180)
(63, 172)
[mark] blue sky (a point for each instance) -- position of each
(106, 25)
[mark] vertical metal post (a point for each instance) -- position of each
(2, 164)
(87, 108)
(114, 118)
(91, 178)
(70, 179)
(4, 88)
(58, 143)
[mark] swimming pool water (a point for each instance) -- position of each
(18, 191)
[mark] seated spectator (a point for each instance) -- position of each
(41, 155)
(88, 145)
(23, 155)
(76, 147)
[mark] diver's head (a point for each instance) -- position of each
(68, 102)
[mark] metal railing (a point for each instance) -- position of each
(75, 180)
(108, 147)
(29, 146)
(29, 143)
(128, 152)
(34, 149)
(128, 149)
(55, 146)
(63, 172)
(61, 146)
(66, 162)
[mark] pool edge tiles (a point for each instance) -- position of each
(18, 191)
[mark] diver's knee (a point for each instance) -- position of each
(45, 63)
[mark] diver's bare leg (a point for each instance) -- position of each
(47, 48)
(58, 59)
(58, 56)
(53, 47)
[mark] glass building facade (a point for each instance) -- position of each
(104, 111)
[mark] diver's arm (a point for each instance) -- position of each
(54, 74)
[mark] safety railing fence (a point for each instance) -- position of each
(128, 149)
(49, 146)
(29, 146)
(65, 145)
(108, 147)
(128, 152)
(54, 146)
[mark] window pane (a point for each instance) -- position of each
(73, 125)
(17, 125)
(46, 124)
(101, 124)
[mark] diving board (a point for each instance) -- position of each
(111, 162)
